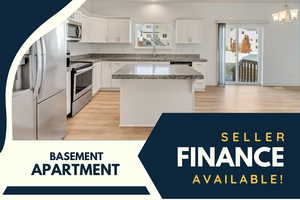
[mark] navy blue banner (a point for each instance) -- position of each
(76, 190)
(19, 20)
(224, 156)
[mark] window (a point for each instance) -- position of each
(153, 35)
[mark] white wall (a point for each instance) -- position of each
(281, 42)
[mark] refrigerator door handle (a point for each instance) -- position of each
(39, 69)
(80, 32)
(44, 53)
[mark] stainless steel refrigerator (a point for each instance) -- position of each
(39, 96)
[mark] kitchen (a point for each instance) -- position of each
(129, 63)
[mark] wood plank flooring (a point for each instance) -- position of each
(99, 120)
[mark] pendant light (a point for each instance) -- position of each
(285, 15)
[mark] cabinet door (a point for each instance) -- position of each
(98, 80)
(115, 83)
(99, 30)
(196, 31)
(188, 31)
(68, 91)
(119, 31)
(94, 86)
(125, 31)
(113, 31)
(181, 32)
(105, 75)
(102, 30)
(92, 29)
(86, 28)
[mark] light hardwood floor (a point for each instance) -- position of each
(99, 120)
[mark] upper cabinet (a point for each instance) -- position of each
(119, 31)
(94, 29)
(101, 30)
(86, 27)
(188, 31)
(105, 30)
(98, 29)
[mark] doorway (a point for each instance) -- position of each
(242, 55)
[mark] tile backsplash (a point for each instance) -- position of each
(87, 48)
(83, 48)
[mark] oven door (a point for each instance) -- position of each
(74, 31)
(82, 82)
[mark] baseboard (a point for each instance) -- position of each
(280, 84)
(109, 89)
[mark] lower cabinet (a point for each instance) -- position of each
(96, 78)
(156, 62)
(200, 85)
(108, 68)
(115, 83)
(106, 75)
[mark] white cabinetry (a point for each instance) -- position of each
(97, 29)
(106, 75)
(96, 78)
(68, 92)
(200, 85)
(153, 62)
(101, 30)
(94, 29)
(119, 31)
(87, 27)
(94, 86)
(115, 83)
(108, 68)
(188, 31)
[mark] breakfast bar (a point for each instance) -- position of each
(148, 90)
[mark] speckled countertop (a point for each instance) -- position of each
(156, 71)
(139, 57)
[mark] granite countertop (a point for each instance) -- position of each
(156, 71)
(139, 57)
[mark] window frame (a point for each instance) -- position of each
(171, 26)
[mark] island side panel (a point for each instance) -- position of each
(142, 101)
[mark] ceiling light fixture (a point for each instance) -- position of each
(285, 15)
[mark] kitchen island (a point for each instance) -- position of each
(147, 90)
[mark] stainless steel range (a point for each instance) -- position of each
(81, 85)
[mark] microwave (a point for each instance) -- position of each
(74, 31)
